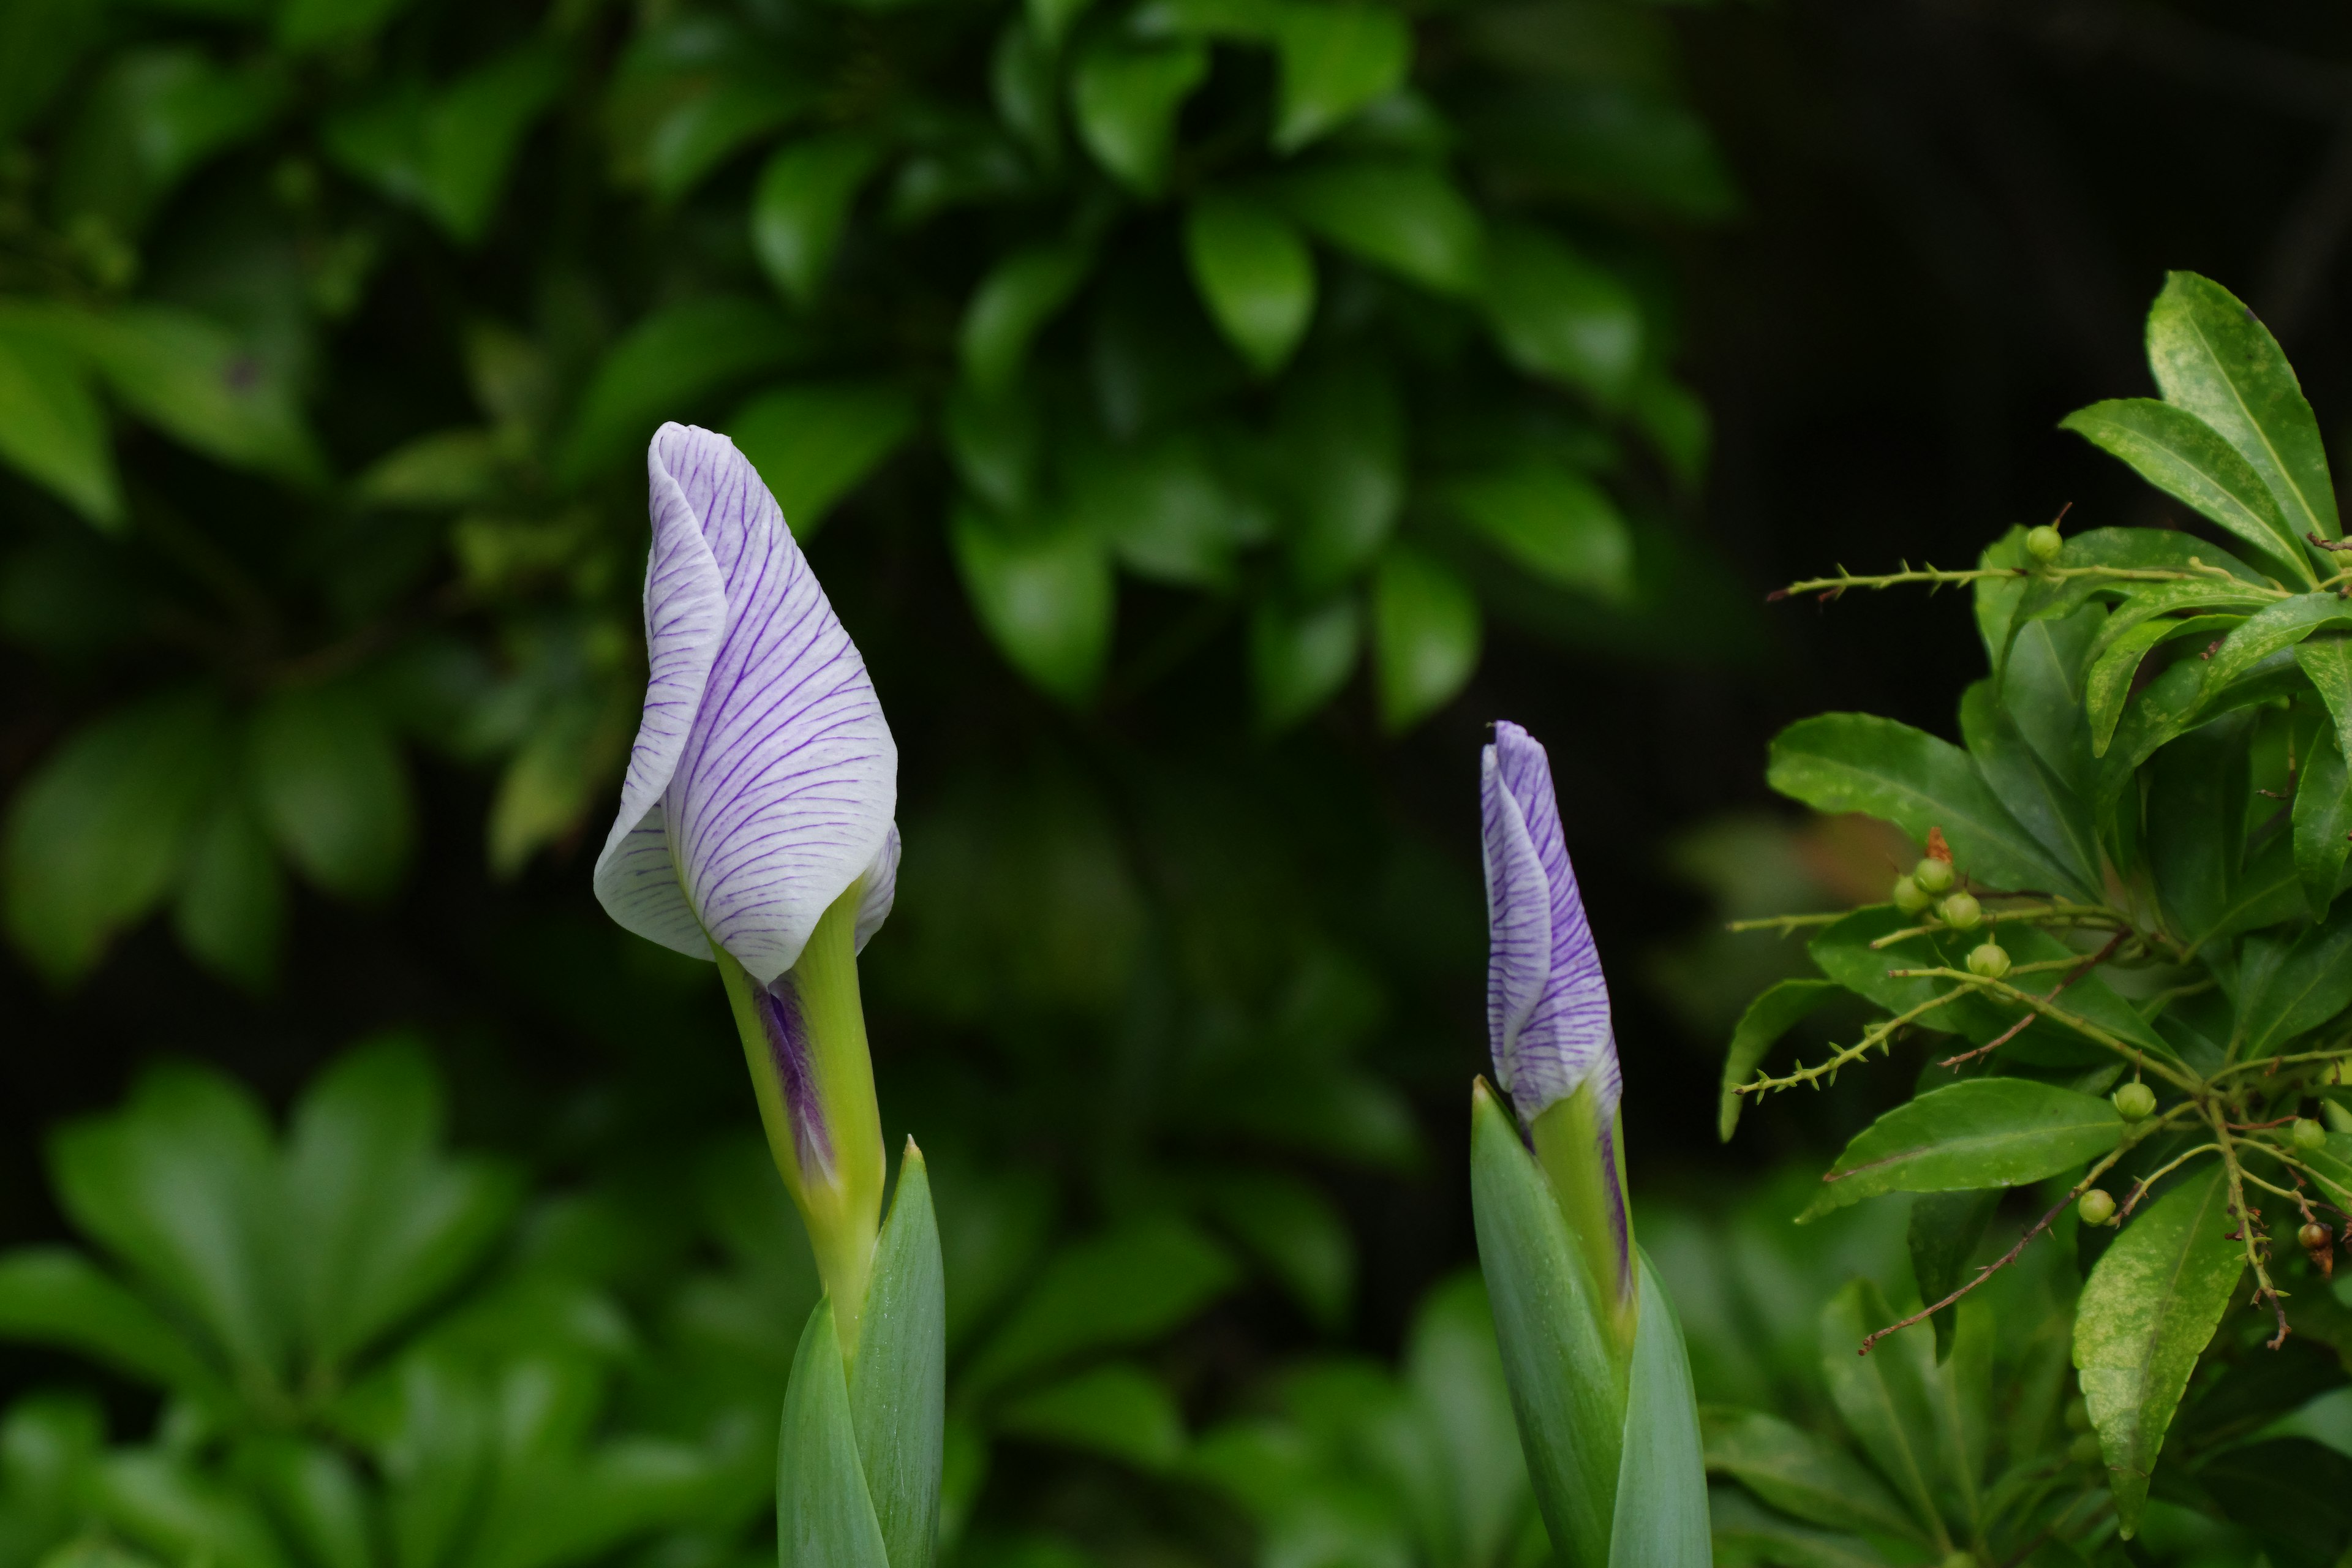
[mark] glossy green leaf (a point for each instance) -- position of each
(2325, 658)
(2213, 357)
(55, 1296)
(1335, 58)
(662, 369)
(1552, 520)
(2164, 599)
(1885, 1397)
(814, 442)
(1340, 429)
(231, 901)
(1426, 632)
(2289, 987)
(1568, 1385)
(1164, 507)
(2109, 683)
(333, 789)
(1943, 1235)
(1020, 295)
(1255, 273)
(1857, 762)
(1661, 1520)
(2323, 821)
(2270, 630)
(825, 1517)
(897, 1387)
(1044, 595)
(2147, 1309)
(1759, 1028)
(802, 204)
(52, 429)
(1558, 314)
(1125, 98)
(182, 1185)
(2134, 548)
(97, 834)
(1293, 1232)
(1299, 659)
(162, 1502)
(1118, 1410)
(1979, 1133)
(1800, 1475)
(2042, 801)
(1124, 1287)
(2194, 795)
(151, 119)
(2044, 687)
(2186, 458)
(1405, 217)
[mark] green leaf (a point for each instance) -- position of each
(723, 113)
(2325, 658)
(1801, 1475)
(1943, 1235)
(1124, 1287)
(2212, 357)
(163, 1503)
(447, 153)
(333, 789)
(1568, 1381)
(825, 1517)
(197, 382)
(316, 1495)
(1883, 1398)
(673, 359)
(1426, 636)
(802, 204)
(1979, 1133)
(1745, 1533)
(55, 1296)
(1554, 522)
(151, 119)
(1856, 761)
(2147, 1309)
(1759, 1028)
(1559, 315)
(1120, 1410)
(313, 23)
(2132, 549)
(1162, 506)
(1295, 1234)
(98, 832)
(1996, 599)
(1340, 431)
(51, 428)
(2194, 797)
(1020, 295)
(2187, 460)
(2290, 988)
(1405, 217)
(2109, 683)
(1662, 1470)
(2042, 678)
(897, 1389)
(1335, 58)
(2268, 630)
(232, 902)
(41, 41)
(2323, 821)
(2041, 801)
(1255, 273)
(1300, 659)
(1125, 98)
(1044, 595)
(447, 469)
(997, 444)
(1454, 1374)
(182, 1185)
(814, 442)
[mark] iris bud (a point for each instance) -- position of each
(1932, 874)
(2134, 1101)
(1961, 912)
(2044, 543)
(1909, 896)
(2096, 1207)
(2309, 1135)
(1988, 960)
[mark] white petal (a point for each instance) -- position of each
(881, 880)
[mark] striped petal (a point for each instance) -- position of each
(881, 889)
(1518, 918)
(782, 791)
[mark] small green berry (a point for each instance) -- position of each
(1909, 896)
(1933, 874)
(2096, 1207)
(1961, 912)
(2078, 1415)
(2135, 1102)
(2084, 1449)
(2309, 1135)
(1988, 960)
(2044, 544)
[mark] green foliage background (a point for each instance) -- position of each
(1204, 414)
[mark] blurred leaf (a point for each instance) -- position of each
(231, 906)
(447, 150)
(52, 1296)
(803, 204)
(1883, 1396)
(1118, 1410)
(1402, 216)
(1798, 1474)
(2186, 458)
(1426, 636)
(898, 1385)
(1676, 423)
(1255, 273)
(1619, 144)
(667, 365)
(1754, 1535)
(996, 443)
(555, 777)
(1559, 315)
(701, 133)
(824, 1516)
(1552, 520)
(164, 1504)
(1979, 1133)
(52, 429)
(313, 23)
(1335, 58)
(1125, 98)
(2293, 1493)
(1453, 1372)
(2150, 1304)
(40, 43)
(2292, 982)
(1052, 18)
(1300, 659)
(181, 1185)
(333, 789)
(149, 120)
(1339, 429)
(97, 836)
(1295, 1234)
(447, 469)
(1123, 1286)
(814, 442)
(1020, 295)
(1024, 78)
(2323, 821)
(316, 1496)
(1163, 509)
(1768, 1017)
(1945, 1231)
(1044, 599)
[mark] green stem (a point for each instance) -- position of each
(1586, 1164)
